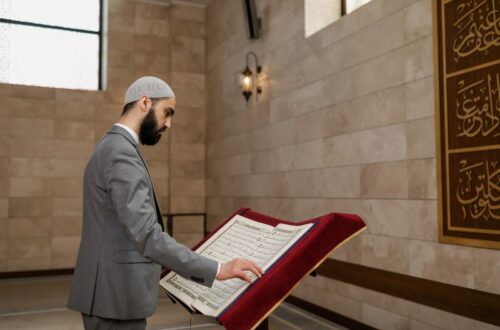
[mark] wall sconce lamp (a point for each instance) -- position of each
(248, 80)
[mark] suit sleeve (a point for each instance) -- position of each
(127, 181)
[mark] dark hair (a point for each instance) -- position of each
(130, 105)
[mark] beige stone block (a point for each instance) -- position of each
(194, 81)
(30, 187)
(5, 146)
(388, 217)
(71, 207)
(422, 179)
(150, 44)
(29, 227)
(187, 204)
(192, 13)
(340, 182)
(28, 248)
(67, 167)
(3, 249)
(65, 246)
(385, 180)
(4, 208)
(28, 107)
(187, 133)
(74, 95)
(4, 228)
(151, 61)
(118, 79)
(74, 130)
(187, 169)
(440, 262)
(67, 187)
(418, 20)
(121, 6)
(29, 127)
(4, 166)
(22, 264)
(4, 125)
(113, 94)
(420, 99)
(424, 222)
(30, 167)
(190, 98)
(74, 110)
(187, 224)
(188, 240)
(101, 128)
(373, 110)
(187, 187)
(188, 28)
(156, 27)
(188, 151)
(309, 155)
(421, 138)
(282, 133)
(313, 125)
(381, 72)
(63, 262)
(120, 59)
(121, 22)
(342, 305)
(4, 187)
(151, 10)
(67, 226)
(30, 207)
(486, 270)
(373, 11)
(184, 60)
(193, 45)
(383, 319)
(31, 147)
(419, 59)
(158, 170)
(384, 252)
(439, 318)
(158, 152)
(73, 149)
(119, 40)
(382, 36)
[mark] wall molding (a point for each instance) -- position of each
(478, 305)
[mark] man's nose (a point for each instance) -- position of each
(167, 123)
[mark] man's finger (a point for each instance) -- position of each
(253, 268)
(244, 276)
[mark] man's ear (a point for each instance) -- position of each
(143, 103)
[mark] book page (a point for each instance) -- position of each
(239, 238)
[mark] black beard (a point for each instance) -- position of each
(148, 134)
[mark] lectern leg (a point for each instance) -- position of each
(264, 325)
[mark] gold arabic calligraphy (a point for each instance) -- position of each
(478, 190)
(477, 27)
(478, 107)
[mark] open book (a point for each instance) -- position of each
(240, 237)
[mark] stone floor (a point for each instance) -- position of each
(38, 303)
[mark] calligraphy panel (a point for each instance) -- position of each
(467, 62)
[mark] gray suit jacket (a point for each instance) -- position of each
(117, 272)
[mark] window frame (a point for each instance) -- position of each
(99, 33)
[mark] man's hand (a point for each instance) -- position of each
(236, 269)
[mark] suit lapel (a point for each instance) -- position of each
(158, 212)
(119, 130)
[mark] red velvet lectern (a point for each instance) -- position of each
(264, 295)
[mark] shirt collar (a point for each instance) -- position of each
(130, 131)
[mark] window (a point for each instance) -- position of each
(52, 43)
(320, 13)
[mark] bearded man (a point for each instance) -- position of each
(123, 246)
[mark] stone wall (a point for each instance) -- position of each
(48, 134)
(345, 124)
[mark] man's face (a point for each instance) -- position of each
(158, 119)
